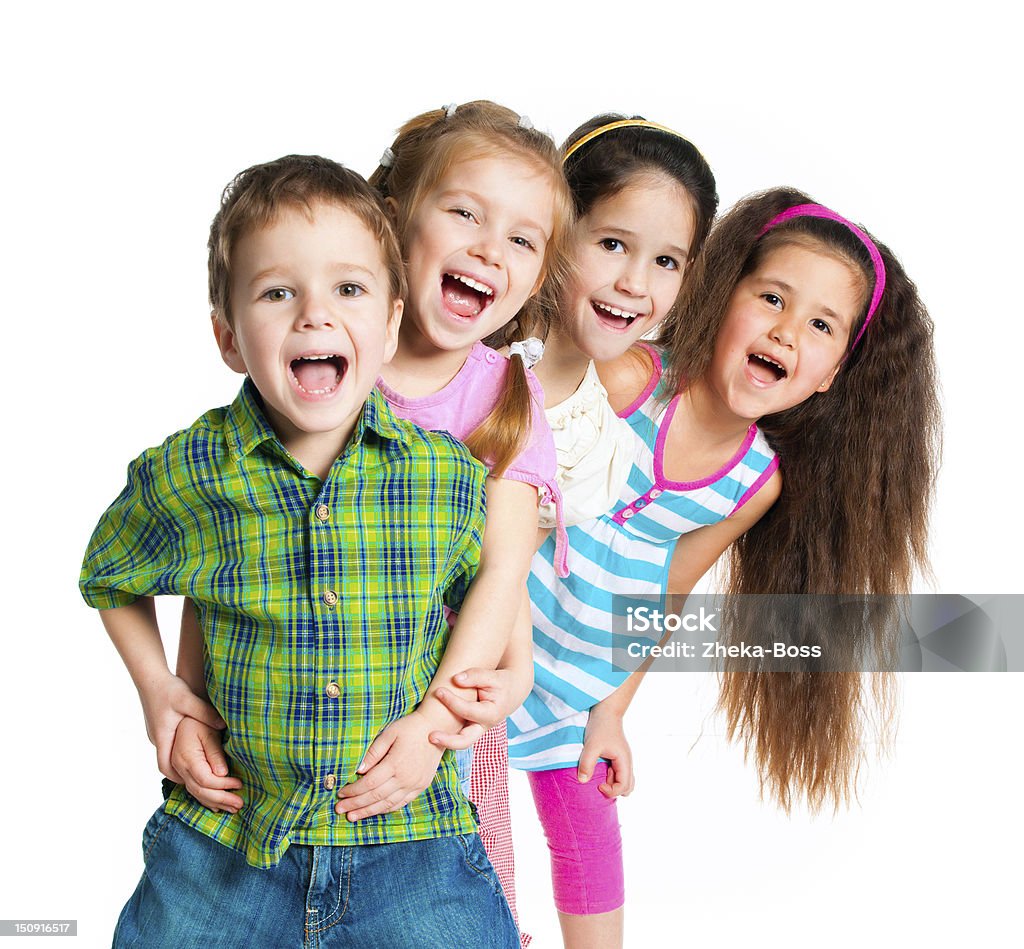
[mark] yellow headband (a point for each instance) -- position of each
(620, 124)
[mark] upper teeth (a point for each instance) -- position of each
(769, 359)
(474, 284)
(615, 311)
(323, 356)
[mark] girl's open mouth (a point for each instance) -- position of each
(613, 317)
(464, 296)
(318, 374)
(764, 369)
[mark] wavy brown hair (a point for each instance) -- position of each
(426, 147)
(858, 464)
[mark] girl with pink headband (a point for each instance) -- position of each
(786, 410)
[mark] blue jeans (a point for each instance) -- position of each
(195, 892)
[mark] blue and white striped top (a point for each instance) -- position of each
(626, 551)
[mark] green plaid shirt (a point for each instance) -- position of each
(321, 604)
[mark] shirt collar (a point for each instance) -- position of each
(246, 426)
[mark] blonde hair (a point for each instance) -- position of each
(425, 149)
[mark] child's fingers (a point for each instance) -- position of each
(476, 679)
(388, 797)
(200, 775)
(588, 761)
(379, 747)
(214, 752)
(614, 785)
(620, 781)
(376, 781)
(194, 707)
(465, 738)
(470, 710)
(164, 741)
(394, 802)
(213, 799)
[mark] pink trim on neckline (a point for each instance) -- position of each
(652, 383)
(660, 481)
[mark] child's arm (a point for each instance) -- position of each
(197, 755)
(165, 697)
(695, 553)
(499, 691)
(401, 761)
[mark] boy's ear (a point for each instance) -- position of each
(391, 337)
(227, 342)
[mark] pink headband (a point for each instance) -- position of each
(819, 210)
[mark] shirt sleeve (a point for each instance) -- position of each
(537, 464)
(466, 553)
(129, 554)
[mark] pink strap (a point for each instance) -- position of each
(819, 210)
(561, 559)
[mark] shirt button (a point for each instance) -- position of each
(330, 781)
(656, 492)
(330, 598)
(323, 512)
(640, 503)
(628, 513)
(492, 357)
(333, 689)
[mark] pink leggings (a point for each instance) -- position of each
(582, 828)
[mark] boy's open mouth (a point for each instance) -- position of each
(318, 374)
(765, 369)
(613, 317)
(465, 296)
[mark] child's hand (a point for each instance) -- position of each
(606, 739)
(165, 702)
(397, 767)
(198, 757)
(499, 693)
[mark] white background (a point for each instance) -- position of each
(121, 125)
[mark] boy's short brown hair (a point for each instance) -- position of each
(255, 196)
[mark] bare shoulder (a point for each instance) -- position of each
(626, 376)
(758, 505)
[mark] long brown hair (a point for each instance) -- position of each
(423, 151)
(858, 466)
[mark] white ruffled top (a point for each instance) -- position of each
(594, 450)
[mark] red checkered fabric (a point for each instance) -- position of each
(488, 790)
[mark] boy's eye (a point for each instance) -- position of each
(669, 263)
(523, 242)
(820, 324)
(351, 290)
(612, 245)
(278, 295)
